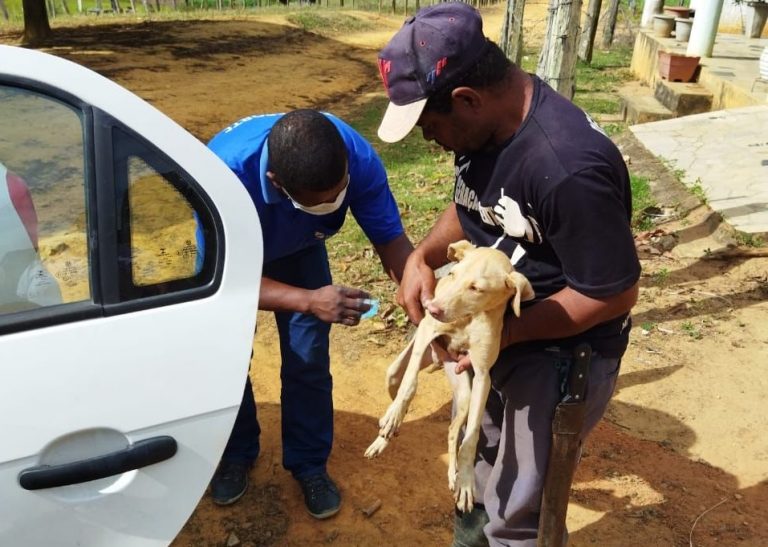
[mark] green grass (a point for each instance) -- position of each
(331, 22)
(690, 329)
(641, 198)
(749, 240)
(597, 83)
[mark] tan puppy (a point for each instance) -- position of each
(466, 315)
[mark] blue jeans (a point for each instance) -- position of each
(306, 398)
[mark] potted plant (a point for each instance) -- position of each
(675, 67)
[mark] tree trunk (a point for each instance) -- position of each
(557, 63)
(511, 39)
(589, 30)
(36, 26)
(610, 24)
(79, 6)
(65, 7)
(4, 10)
(51, 7)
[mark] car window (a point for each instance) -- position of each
(43, 226)
(165, 227)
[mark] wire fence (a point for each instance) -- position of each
(11, 10)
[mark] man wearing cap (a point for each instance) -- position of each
(538, 179)
(303, 171)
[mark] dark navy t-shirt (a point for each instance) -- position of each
(556, 198)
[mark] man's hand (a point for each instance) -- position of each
(337, 304)
(416, 288)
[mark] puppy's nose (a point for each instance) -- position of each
(435, 310)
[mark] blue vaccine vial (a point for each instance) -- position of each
(374, 308)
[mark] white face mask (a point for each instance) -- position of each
(321, 208)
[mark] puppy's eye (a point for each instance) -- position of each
(473, 287)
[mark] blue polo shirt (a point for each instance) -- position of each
(243, 147)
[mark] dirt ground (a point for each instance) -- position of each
(682, 456)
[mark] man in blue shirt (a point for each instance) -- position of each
(303, 171)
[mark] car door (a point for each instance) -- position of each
(130, 260)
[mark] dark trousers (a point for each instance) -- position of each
(306, 399)
(516, 436)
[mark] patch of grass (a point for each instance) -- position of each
(613, 129)
(648, 326)
(698, 190)
(328, 22)
(690, 329)
(595, 104)
(661, 277)
(641, 199)
(749, 240)
(607, 70)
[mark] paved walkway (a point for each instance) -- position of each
(725, 151)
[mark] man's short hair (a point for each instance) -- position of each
(491, 68)
(306, 152)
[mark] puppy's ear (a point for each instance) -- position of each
(457, 250)
(523, 290)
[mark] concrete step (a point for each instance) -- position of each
(638, 105)
(683, 98)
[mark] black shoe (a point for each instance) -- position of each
(229, 482)
(321, 495)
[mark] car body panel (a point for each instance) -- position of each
(81, 389)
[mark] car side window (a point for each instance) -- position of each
(44, 256)
(165, 230)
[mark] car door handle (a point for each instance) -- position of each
(139, 454)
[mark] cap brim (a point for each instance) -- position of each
(399, 120)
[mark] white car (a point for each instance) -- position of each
(130, 259)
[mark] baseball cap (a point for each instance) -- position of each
(432, 48)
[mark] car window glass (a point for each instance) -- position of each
(165, 232)
(164, 228)
(43, 236)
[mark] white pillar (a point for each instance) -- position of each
(650, 8)
(704, 28)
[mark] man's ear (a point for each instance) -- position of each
(456, 251)
(271, 177)
(466, 97)
(523, 290)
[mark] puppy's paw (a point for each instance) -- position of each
(464, 499)
(463, 488)
(376, 448)
(391, 421)
(452, 478)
